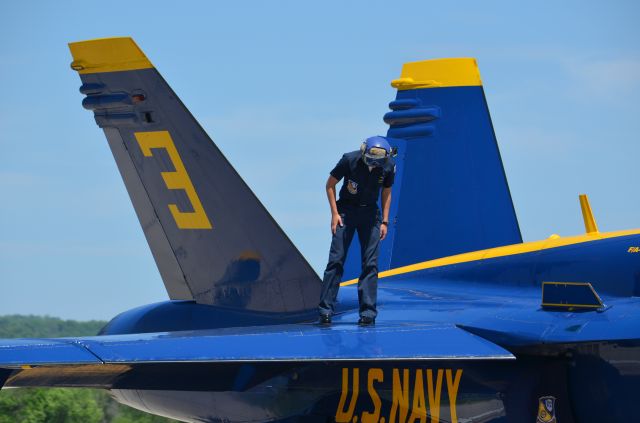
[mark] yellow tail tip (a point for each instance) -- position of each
(455, 72)
(107, 55)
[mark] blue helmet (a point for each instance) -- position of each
(375, 151)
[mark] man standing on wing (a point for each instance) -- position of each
(365, 173)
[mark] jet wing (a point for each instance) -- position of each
(280, 343)
(33, 352)
(98, 361)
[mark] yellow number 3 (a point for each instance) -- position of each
(178, 179)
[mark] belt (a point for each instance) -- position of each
(351, 204)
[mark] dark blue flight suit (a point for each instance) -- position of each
(358, 208)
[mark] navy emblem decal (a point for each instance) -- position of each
(352, 187)
(546, 410)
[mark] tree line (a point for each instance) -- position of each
(61, 405)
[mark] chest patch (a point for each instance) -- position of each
(352, 187)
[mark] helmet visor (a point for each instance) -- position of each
(375, 157)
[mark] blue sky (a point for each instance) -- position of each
(309, 80)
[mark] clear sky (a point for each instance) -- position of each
(300, 83)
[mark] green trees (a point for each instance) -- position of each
(35, 405)
(18, 326)
(60, 405)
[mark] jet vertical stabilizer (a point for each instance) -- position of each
(212, 240)
(451, 194)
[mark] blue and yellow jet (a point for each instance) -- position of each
(474, 324)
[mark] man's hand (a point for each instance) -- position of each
(383, 232)
(335, 221)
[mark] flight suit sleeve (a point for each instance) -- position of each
(341, 169)
(389, 177)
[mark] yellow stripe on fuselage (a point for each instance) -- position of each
(107, 55)
(438, 73)
(507, 250)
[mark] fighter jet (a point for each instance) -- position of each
(475, 325)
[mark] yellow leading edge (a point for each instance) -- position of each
(459, 72)
(107, 55)
(507, 250)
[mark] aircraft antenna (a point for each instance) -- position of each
(590, 225)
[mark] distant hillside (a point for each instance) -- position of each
(18, 326)
(58, 405)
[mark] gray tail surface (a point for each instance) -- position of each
(212, 239)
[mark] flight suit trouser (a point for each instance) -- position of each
(366, 222)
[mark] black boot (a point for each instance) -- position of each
(325, 319)
(366, 321)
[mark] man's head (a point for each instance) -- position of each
(375, 151)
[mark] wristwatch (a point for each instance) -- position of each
(384, 223)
